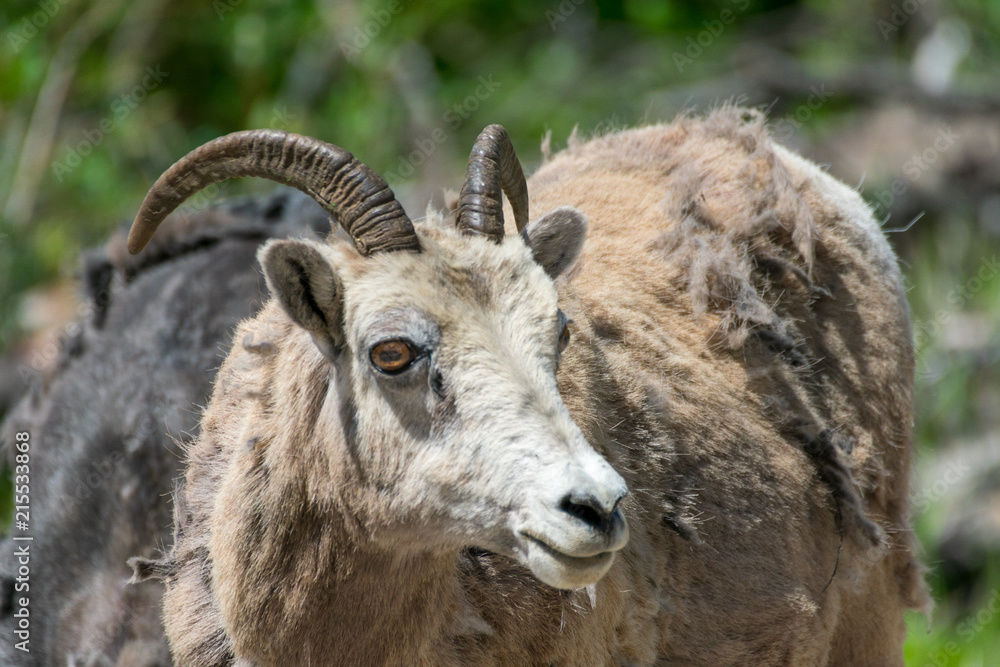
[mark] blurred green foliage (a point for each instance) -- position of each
(96, 99)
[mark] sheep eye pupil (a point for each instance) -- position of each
(392, 356)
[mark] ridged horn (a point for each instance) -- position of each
(492, 164)
(362, 202)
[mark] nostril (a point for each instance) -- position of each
(588, 510)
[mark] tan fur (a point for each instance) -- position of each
(741, 355)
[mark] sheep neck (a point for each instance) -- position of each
(342, 591)
(391, 607)
(348, 600)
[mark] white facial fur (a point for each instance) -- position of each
(471, 445)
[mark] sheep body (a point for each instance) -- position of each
(777, 285)
(741, 356)
(107, 424)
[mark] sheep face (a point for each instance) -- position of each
(446, 360)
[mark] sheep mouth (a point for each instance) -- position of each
(560, 569)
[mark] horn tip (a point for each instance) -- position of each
(137, 238)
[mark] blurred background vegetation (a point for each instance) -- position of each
(900, 98)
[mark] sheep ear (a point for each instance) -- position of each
(556, 238)
(305, 284)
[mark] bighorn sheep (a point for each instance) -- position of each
(406, 461)
(102, 462)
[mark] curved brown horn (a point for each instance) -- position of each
(492, 164)
(362, 202)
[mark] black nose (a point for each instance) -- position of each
(587, 508)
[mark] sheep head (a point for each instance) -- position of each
(444, 345)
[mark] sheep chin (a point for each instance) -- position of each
(559, 570)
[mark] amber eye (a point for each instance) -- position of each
(564, 337)
(393, 356)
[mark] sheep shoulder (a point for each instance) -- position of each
(746, 317)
